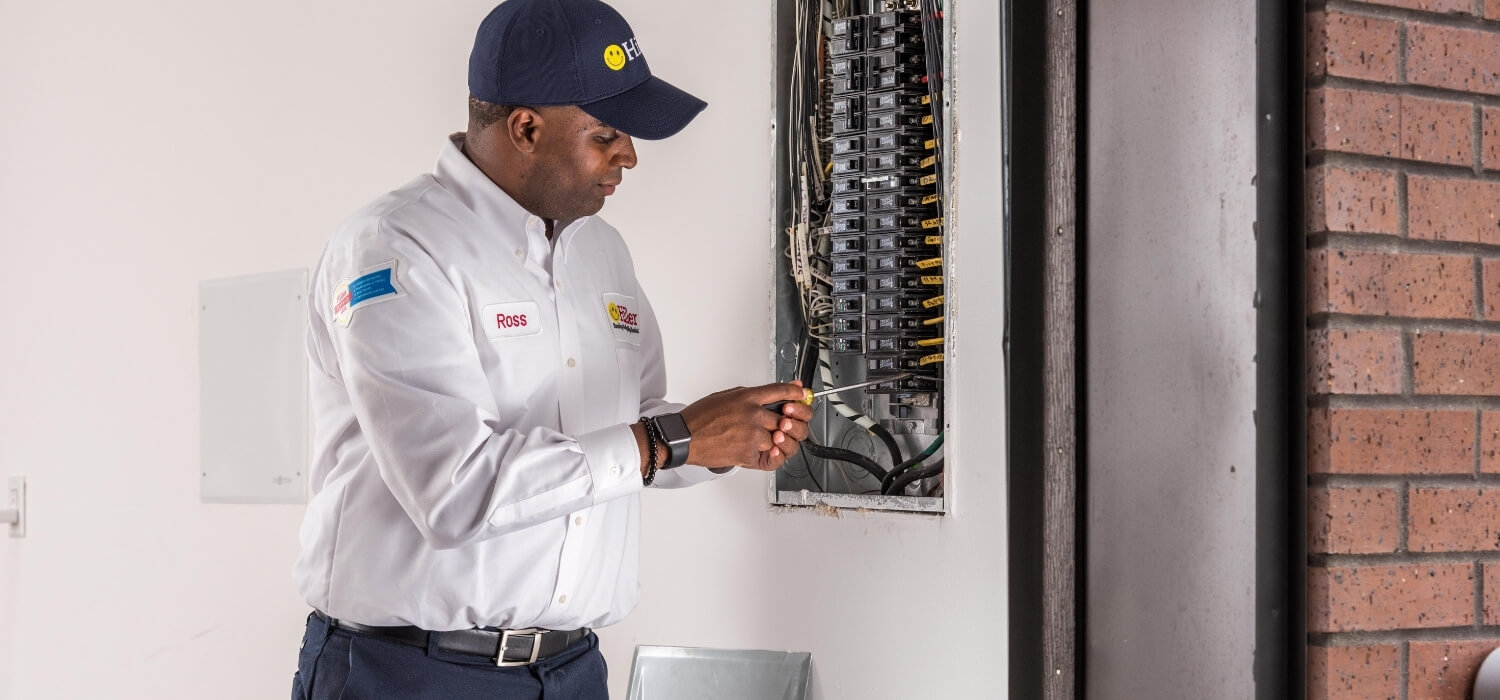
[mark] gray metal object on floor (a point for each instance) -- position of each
(690, 673)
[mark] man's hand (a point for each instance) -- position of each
(732, 428)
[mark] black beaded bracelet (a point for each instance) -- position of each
(651, 464)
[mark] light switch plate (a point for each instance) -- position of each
(15, 497)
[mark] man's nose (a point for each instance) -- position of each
(625, 157)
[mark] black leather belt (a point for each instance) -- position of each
(504, 647)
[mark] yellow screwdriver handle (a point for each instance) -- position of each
(806, 400)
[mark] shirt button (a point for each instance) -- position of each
(578, 520)
(559, 286)
(614, 471)
(572, 362)
(520, 253)
(562, 599)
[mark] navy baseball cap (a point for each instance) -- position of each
(575, 52)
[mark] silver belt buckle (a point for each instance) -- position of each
(536, 646)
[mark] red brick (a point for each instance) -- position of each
(1353, 121)
(1453, 58)
(1383, 597)
(1369, 673)
(1489, 443)
(1491, 276)
(1437, 131)
(1463, 364)
(1351, 201)
(1351, 520)
(1445, 6)
(1445, 670)
(1352, 46)
(1370, 441)
(1453, 520)
(1341, 361)
(1492, 10)
(1371, 283)
(1449, 209)
(1491, 129)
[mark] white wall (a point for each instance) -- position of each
(1171, 345)
(146, 146)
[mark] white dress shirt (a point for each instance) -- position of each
(473, 386)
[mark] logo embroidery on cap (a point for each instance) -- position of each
(623, 318)
(371, 286)
(617, 55)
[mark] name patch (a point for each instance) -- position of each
(372, 286)
(511, 320)
(624, 319)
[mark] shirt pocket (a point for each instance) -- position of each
(628, 358)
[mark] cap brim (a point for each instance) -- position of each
(653, 110)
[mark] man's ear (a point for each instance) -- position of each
(523, 127)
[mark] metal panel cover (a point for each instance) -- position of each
(687, 673)
(253, 389)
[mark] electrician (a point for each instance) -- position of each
(487, 382)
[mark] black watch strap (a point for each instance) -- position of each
(673, 431)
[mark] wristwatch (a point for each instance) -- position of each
(674, 431)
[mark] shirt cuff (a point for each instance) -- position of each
(614, 461)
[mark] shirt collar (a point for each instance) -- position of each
(456, 173)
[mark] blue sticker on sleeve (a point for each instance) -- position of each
(371, 286)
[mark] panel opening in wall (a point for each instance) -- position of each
(863, 150)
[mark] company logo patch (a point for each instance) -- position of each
(372, 286)
(617, 55)
(511, 320)
(624, 320)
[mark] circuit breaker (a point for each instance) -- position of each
(860, 293)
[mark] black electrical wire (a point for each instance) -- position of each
(889, 480)
(900, 483)
(846, 456)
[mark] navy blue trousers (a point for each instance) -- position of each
(336, 664)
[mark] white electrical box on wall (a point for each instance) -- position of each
(254, 419)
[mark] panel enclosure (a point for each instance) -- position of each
(254, 419)
(862, 153)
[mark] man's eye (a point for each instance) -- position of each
(607, 137)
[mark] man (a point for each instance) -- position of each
(482, 357)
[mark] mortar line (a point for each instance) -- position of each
(1348, 160)
(1401, 53)
(1390, 243)
(1479, 311)
(1476, 130)
(1403, 230)
(1403, 513)
(1418, 90)
(1408, 362)
(1405, 668)
(1447, 19)
(1478, 595)
(1391, 402)
(1396, 482)
(1478, 442)
(1398, 636)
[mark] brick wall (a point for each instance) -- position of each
(1403, 204)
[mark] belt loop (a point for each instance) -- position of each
(432, 643)
(328, 626)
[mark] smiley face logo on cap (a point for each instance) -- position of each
(614, 57)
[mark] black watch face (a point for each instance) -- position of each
(673, 427)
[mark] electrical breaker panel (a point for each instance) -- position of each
(860, 273)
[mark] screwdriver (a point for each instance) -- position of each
(808, 394)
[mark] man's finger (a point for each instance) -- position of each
(795, 429)
(769, 393)
(797, 411)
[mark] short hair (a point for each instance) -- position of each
(482, 114)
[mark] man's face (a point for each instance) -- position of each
(579, 161)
